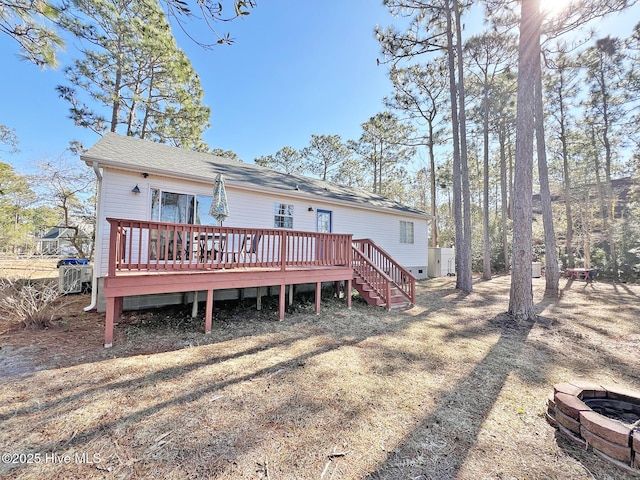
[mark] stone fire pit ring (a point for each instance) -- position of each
(570, 409)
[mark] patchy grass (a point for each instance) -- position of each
(32, 266)
(447, 389)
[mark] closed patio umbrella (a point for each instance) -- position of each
(220, 211)
(219, 206)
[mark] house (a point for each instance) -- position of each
(57, 241)
(154, 234)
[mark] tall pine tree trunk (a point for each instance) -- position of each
(521, 294)
(551, 272)
(601, 198)
(567, 183)
(486, 238)
(609, 201)
(466, 273)
(457, 186)
(504, 188)
(510, 157)
(115, 105)
(432, 181)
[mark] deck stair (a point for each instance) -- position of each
(380, 280)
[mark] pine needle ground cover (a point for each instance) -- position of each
(447, 389)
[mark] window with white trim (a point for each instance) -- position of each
(181, 208)
(406, 232)
(283, 215)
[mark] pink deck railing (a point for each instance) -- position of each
(381, 271)
(143, 246)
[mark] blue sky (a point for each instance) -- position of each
(295, 69)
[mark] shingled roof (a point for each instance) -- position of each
(134, 154)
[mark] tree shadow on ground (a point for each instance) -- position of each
(460, 413)
(286, 334)
(437, 448)
(625, 288)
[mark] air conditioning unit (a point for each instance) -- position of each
(74, 278)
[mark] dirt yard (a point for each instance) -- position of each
(444, 390)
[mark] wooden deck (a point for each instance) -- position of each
(154, 257)
(129, 284)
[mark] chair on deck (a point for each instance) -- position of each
(211, 246)
(250, 246)
(165, 246)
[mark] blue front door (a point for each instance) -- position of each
(324, 221)
(324, 226)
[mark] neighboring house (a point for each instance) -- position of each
(57, 241)
(146, 181)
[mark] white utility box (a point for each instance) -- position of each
(442, 262)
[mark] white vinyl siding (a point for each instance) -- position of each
(254, 209)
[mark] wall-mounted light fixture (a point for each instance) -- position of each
(136, 189)
(310, 209)
(145, 174)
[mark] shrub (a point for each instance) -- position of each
(28, 302)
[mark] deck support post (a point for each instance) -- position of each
(112, 316)
(259, 298)
(291, 294)
(281, 302)
(347, 293)
(194, 307)
(208, 312)
(318, 296)
(336, 285)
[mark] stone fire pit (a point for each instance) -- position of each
(602, 418)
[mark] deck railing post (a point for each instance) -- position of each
(388, 294)
(113, 250)
(283, 250)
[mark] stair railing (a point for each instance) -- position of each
(377, 280)
(400, 277)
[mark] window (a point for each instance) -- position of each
(181, 208)
(203, 205)
(406, 232)
(175, 207)
(283, 217)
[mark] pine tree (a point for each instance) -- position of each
(134, 76)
